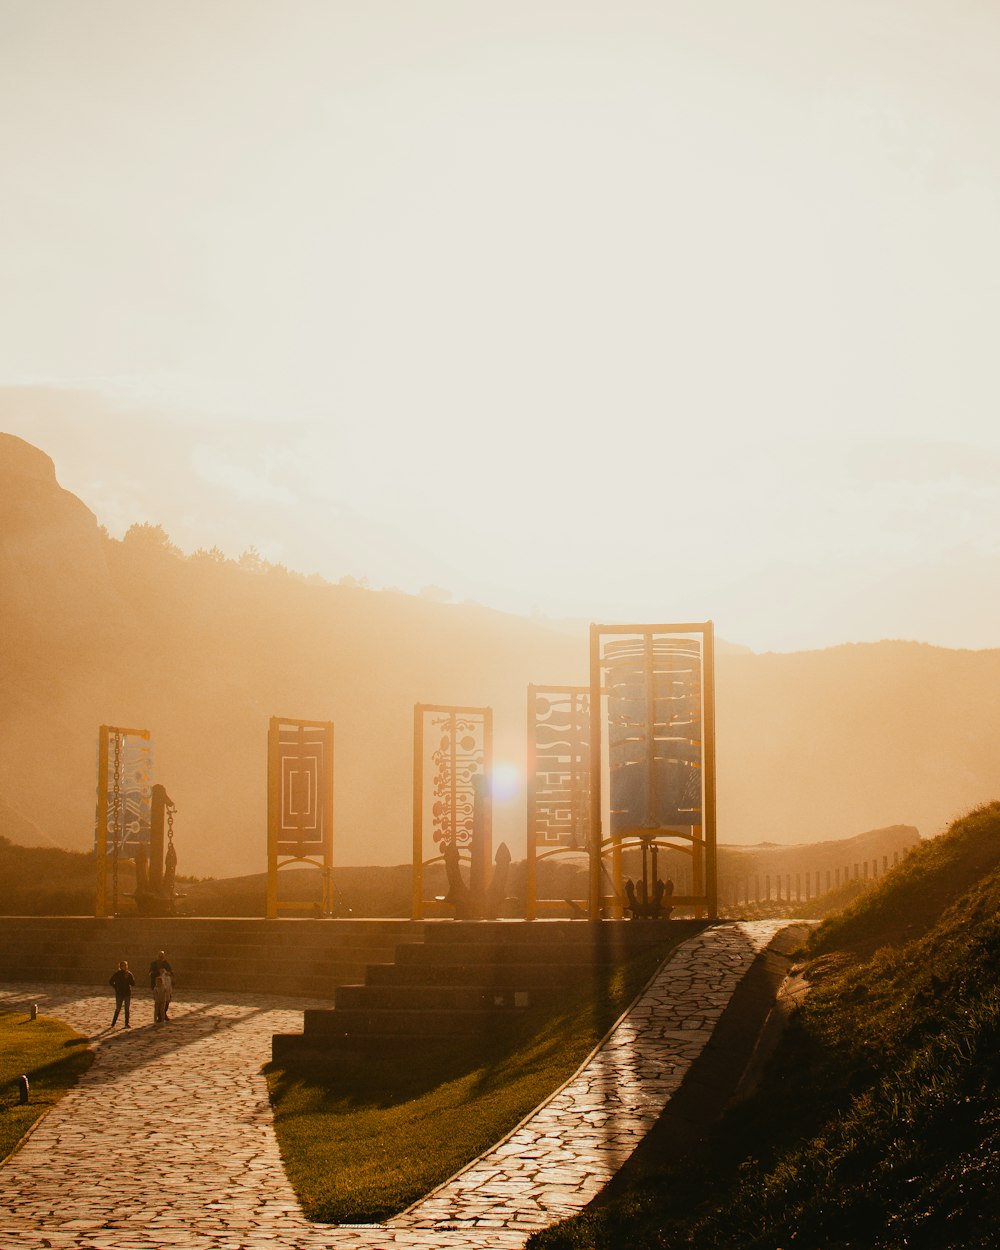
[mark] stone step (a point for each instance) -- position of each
(195, 969)
(409, 1023)
(201, 957)
(285, 929)
(256, 982)
(431, 997)
(550, 933)
(494, 954)
(465, 979)
(486, 975)
(285, 956)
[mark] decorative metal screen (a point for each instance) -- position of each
(299, 804)
(653, 693)
(452, 758)
(654, 733)
(303, 755)
(128, 787)
(124, 789)
(559, 765)
(458, 756)
(558, 780)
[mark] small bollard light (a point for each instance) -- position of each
(34, 1011)
(23, 1087)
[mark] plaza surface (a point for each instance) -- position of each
(167, 1140)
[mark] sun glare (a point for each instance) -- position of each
(506, 780)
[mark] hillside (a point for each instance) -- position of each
(202, 651)
(43, 880)
(36, 880)
(878, 1122)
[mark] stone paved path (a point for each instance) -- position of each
(167, 1143)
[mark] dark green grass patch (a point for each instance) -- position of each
(52, 1057)
(363, 1136)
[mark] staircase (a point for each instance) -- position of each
(465, 978)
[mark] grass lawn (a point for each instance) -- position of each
(52, 1057)
(363, 1136)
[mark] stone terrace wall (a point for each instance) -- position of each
(307, 957)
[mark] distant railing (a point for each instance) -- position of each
(798, 887)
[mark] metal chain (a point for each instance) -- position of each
(170, 861)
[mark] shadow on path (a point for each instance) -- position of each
(121, 1051)
(715, 1077)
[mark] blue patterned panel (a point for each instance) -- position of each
(654, 733)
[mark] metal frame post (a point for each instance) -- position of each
(531, 877)
(417, 903)
(101, 831)
(708, 721)
(595, 773)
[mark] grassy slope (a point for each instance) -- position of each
(45, 881)
(879, 1122)
(52, 1057)
(362, 1136)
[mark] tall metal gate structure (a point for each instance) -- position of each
(299, 807)
(452, 763)
(124, 787)
(652, 775)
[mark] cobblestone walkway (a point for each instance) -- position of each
(167, 1143)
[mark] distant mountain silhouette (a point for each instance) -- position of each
(202, 651)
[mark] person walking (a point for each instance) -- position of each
(161, 998)
(158, 965)
(161, 982)
(122, 980)
(168, 992)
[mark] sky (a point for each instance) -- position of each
(621, 312)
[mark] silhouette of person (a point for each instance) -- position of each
(122, 980)
(158, 965)
(161, 998)
(158, 968)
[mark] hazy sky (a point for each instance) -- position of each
(621, 311)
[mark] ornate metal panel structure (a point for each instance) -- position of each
(299, 806)
(654, 733)
(452, 758)
(558, 777)
(659, 707)
(124, 788)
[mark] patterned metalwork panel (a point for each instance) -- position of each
(457, 745)
(128, 786)
(654, 687)
(562, 767)
(304, 775)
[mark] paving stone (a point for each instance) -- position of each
(167, 1143)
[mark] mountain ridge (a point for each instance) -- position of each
(201, 651)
